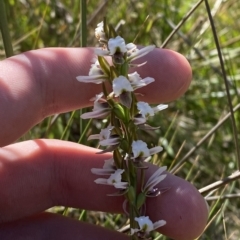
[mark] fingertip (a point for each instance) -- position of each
(183, 73)
(172, 73)
(182, 207)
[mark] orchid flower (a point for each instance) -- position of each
(157, 177)
(115, 45)
(146, 225)
(108, 168)
(140, 149)
(99, 32)
(121, 84)
(115, 180)
(137, 82)
(146, 111)
(100, 110)
(95, 75)
(105, 137)
(137, 53)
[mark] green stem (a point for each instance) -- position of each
(83, 133)
(68, 124)
(5, 31)
(84, 23)
(82, 215)
(132, 171)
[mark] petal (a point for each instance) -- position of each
(131, 46)
(132, 65)
(101, 113)
(100, 106)
(139, 148)
(109, 164)
(109, 142)
(135, 230)
(160, 107)
(159, 223)
(157, 173)
(97, 79)
(147, 127)
(115, 179)
(144, 221)
(143, 82)
(155, 150)
(121, 84)
(101, 171)
(117, 43)
(94, 136)
(154, 182)
(148, 80)
(141, 52)
(101, 181)
(145, 109)
(99, 32)
(108, 149)
(97, 97)
(121, 185)
(139, 120)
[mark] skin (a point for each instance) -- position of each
(38, 174)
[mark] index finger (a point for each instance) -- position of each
(39, 83)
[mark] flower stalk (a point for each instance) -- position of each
(126, 170)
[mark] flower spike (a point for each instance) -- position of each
(119, 103)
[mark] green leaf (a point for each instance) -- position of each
(141, 198)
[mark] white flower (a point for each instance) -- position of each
(100, 110)
(137, 82)
(121, 84)
(137, 53)
(146, 225)
(99, 32)
(95, 75)
(115, 180)
(95, 69)
(116, 45)
(146, 111)
(140, 149)
(156, 178)
(131, 47)
(105, 137)
(109, 164)
(108, 168)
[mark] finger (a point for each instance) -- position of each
(53, 226)
(53, 172)
(43, 82)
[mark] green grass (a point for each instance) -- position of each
(35, 24)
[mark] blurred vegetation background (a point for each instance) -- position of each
(198, 142)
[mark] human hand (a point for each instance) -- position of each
(38, 174)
